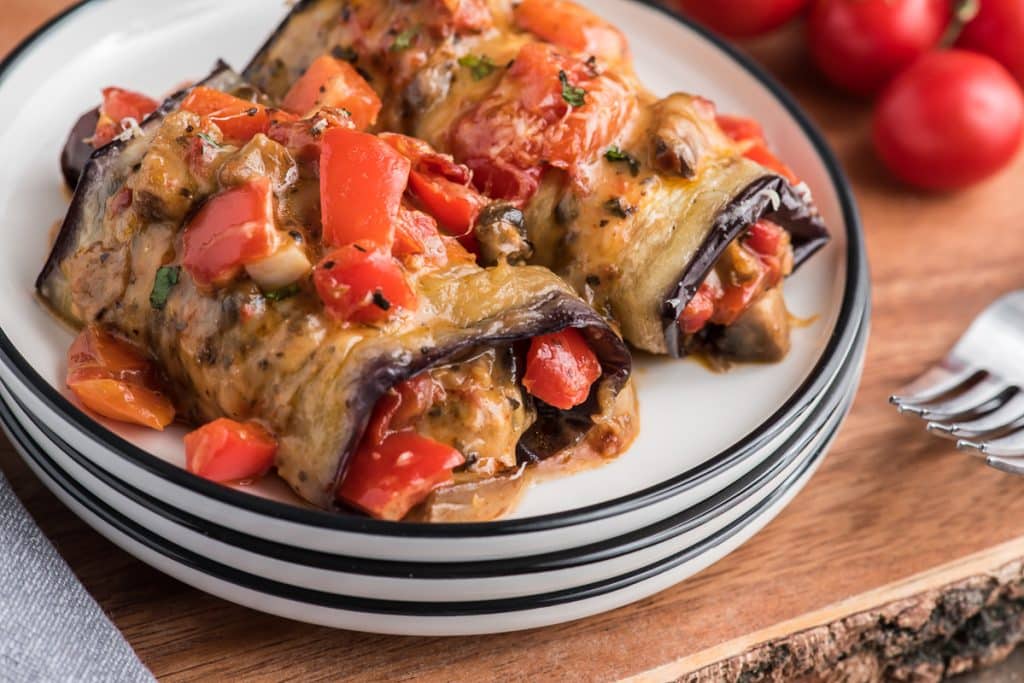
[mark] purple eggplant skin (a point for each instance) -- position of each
(794, 212)
(102, 175)
(554, 429)
(77, 148)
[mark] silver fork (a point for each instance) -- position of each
(975, 396)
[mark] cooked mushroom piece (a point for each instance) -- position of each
(501, 232)
(684, 131)
(761, 334)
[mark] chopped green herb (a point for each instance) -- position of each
(614, 154)
(166, 278)
(404, 39)
(572, 94)
(617, 207)
(479, 67)
(283, 293)
(208, 140)
(380, 302)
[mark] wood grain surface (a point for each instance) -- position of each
(887, 508)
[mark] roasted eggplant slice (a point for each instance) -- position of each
(629, 197)
(236, 344)
(101, 177)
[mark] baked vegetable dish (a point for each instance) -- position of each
(675, 221)
(393, 257)
(269, 275)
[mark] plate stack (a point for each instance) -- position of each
(718, 457)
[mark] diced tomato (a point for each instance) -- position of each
(468, 15)
(416, 235)
(118, 105)
(389, 478)
(304, 138)
(239, 120)
(330, 82)
(700, 308)
(440, 186)
(740, 128)
(767, 158)
(113, 378)
(504, 180)
(124, 402)
(362, 179)
(362, 283)
(426, 159)
(401, 405)
(572, 27)
(736, 299)
(536, 116)
(764, 237)
(749, 132)
(455, 206)
(560, 368)
(225, 450)
(231, 230)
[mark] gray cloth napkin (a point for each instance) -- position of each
(50, 627)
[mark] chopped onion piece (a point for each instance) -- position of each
(285, 266)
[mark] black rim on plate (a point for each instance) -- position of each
(747, 486)
(191, 560)
(855, 300)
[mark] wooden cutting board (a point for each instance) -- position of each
(900, 557)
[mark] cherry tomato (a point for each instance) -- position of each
(113, 378)
(225, 450)
(362, 180)
(742, 18)
(574, 28)
(998, 31)
(861, 44)
(951, 119)
(330, 82)
(388, 478)
(231, 230)
(361, 283)
(560, 368)
(119, 104)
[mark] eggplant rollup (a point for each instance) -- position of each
(441, 352)
(680, 230)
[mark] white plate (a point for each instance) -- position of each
(410, 582)
(689, 416)
(456, 607)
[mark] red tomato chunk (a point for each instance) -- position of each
(389, 478)
(561, 368)
(118, 105)
(113, 378)
(362, 180)
(231, 230)
(225, 451)
(330, 82)
(361, 283)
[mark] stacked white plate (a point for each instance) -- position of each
(718, 457)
